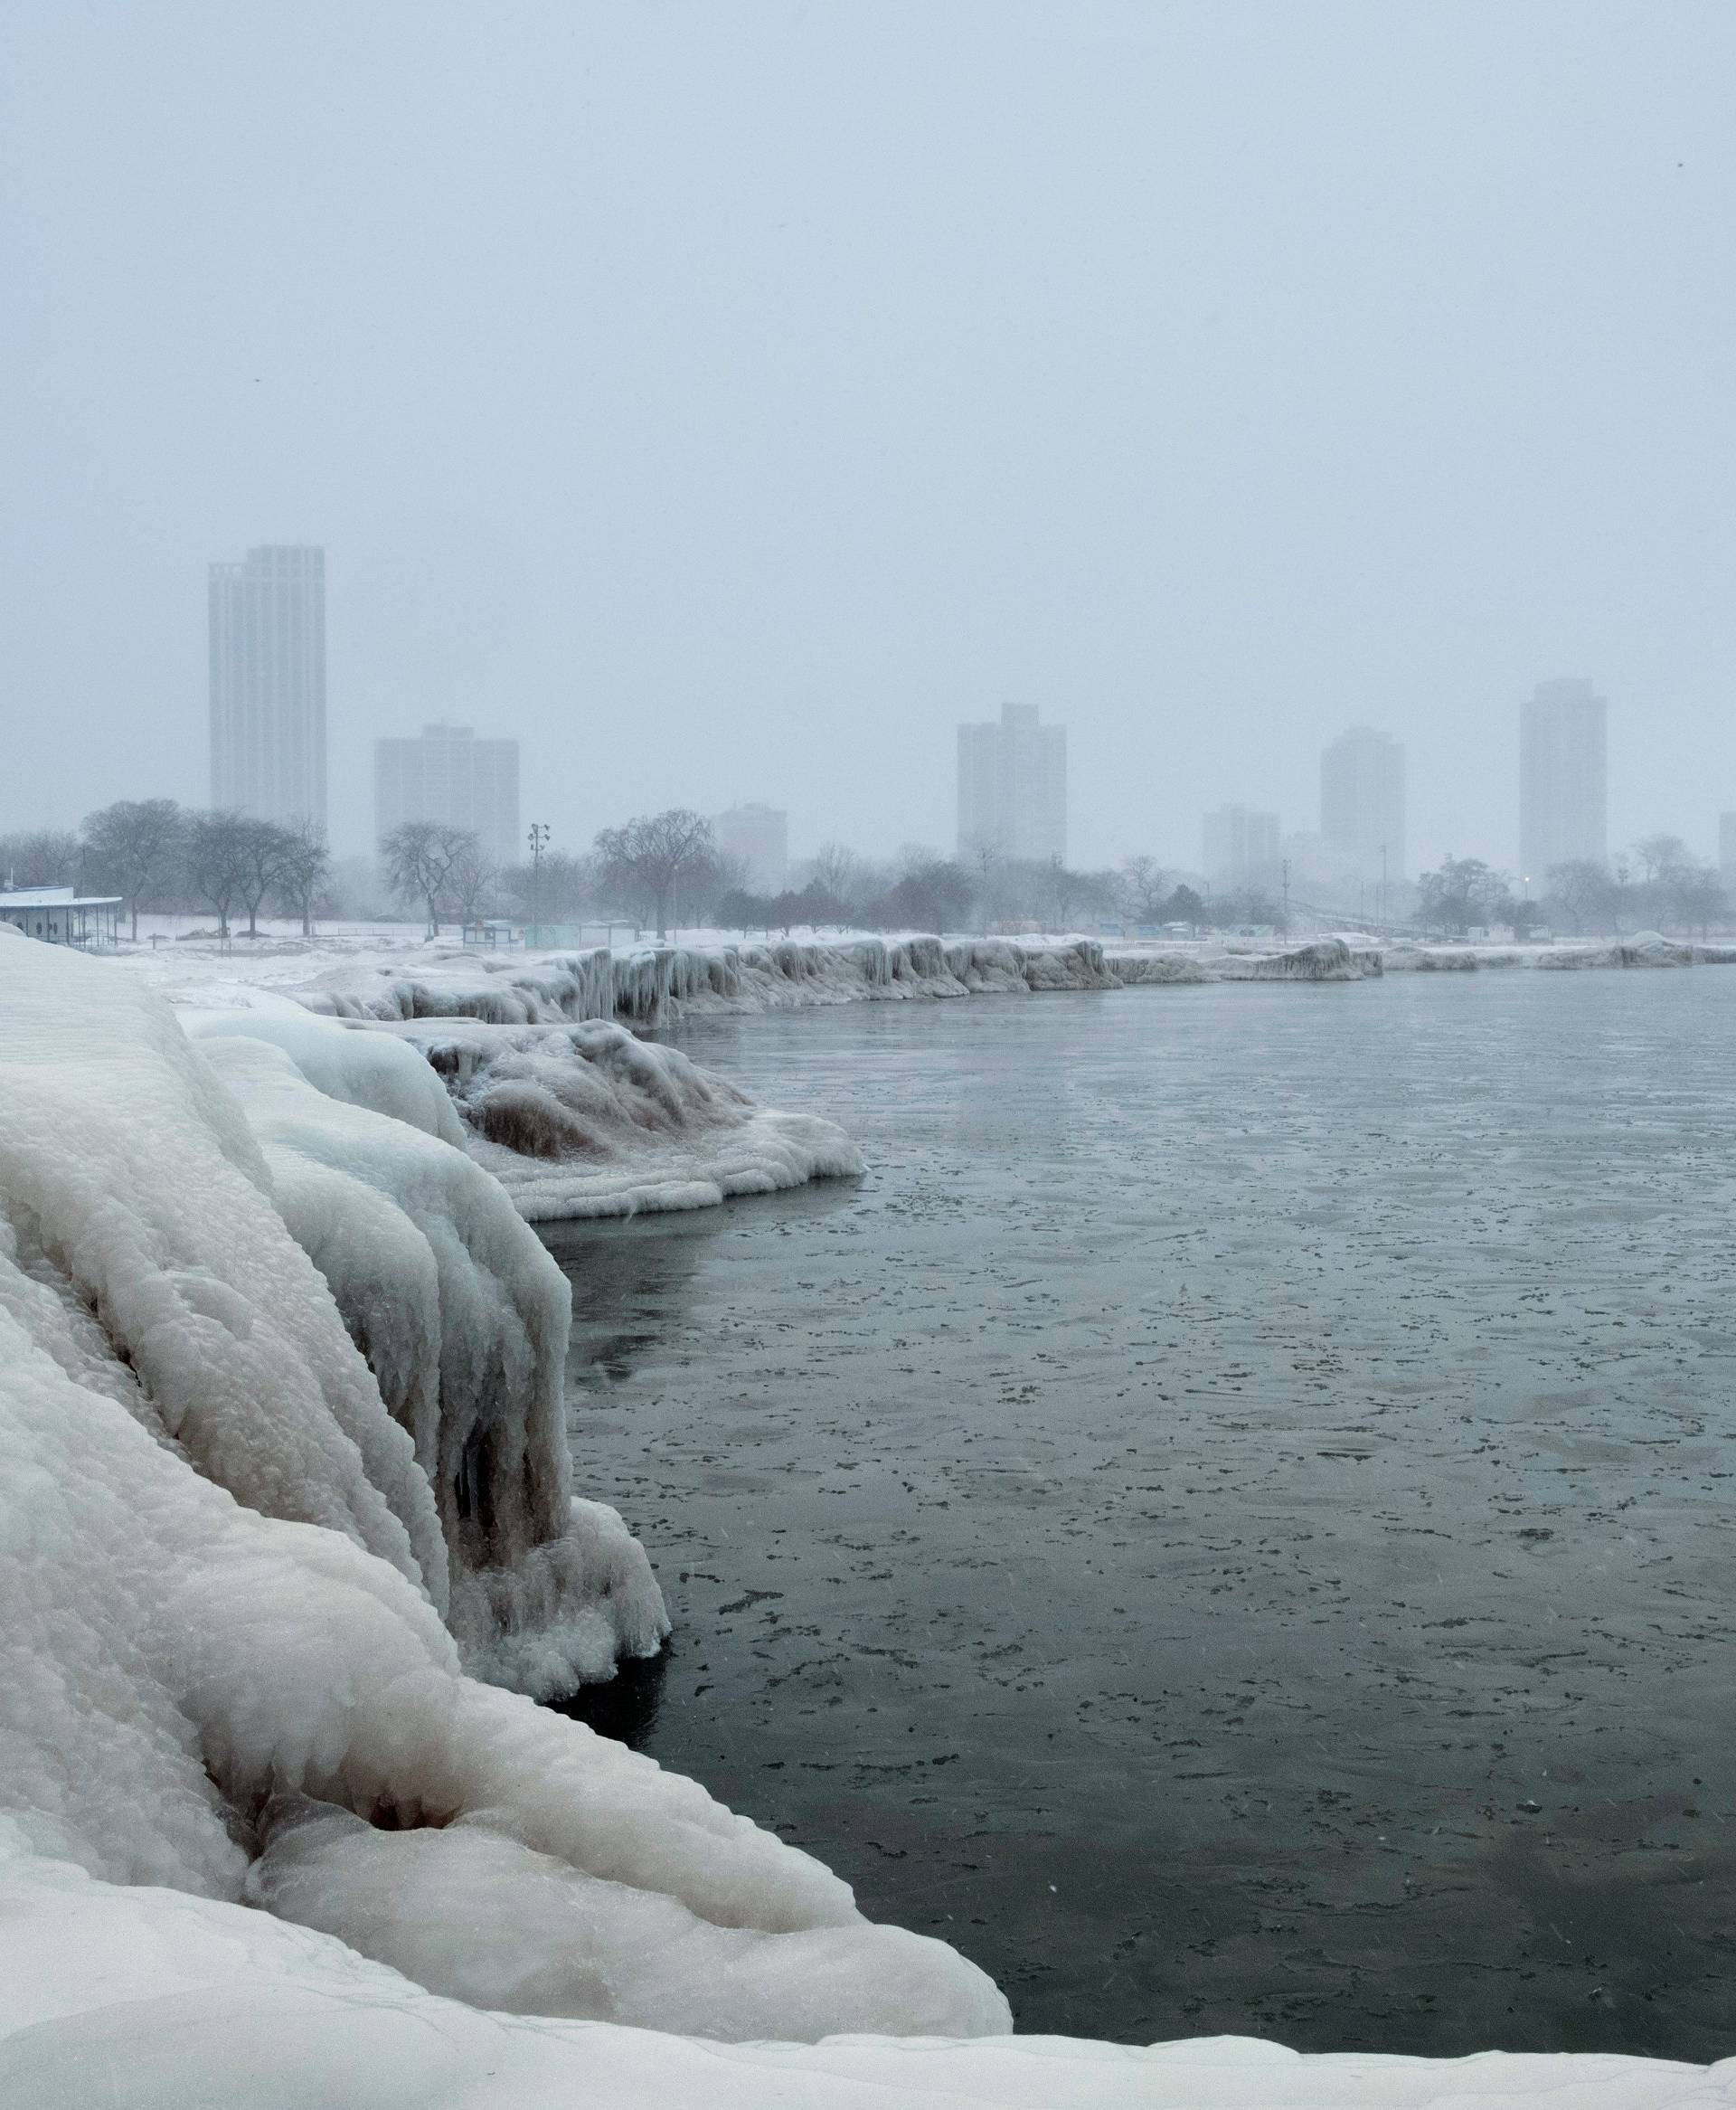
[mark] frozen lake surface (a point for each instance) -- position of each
(1230, 1523)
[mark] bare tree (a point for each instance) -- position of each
(646, 861)
(217, 860)
(265, 847)
(473, 880)
(304, 867)
(1660, 856)
(1145, 888)
(39, 856)
(135, 845)
(420, 856)
(837, 872)
(1697, 895)
(1581, 887)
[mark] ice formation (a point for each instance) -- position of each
(653, 986)
(149, 1998)
(223, 1566)
(584, 1119)
(463, 1319)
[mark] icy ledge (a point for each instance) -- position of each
(223, 1566)
(572, 1120)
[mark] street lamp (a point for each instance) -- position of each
(539, 843)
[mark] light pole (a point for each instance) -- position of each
(539, 843)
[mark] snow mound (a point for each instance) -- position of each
(583, 1120)
(147, 1999)
(223, 1566)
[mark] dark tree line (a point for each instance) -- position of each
(159, 856)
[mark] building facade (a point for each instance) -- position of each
(759, 835)
(1361, 805)
(1012, 788)
(446, 773)
(268, 684)
(1239, 843)
(1564, 779)
(1727, 845)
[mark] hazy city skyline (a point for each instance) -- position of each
(729, 403)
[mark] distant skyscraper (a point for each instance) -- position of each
(759, 835)
(1362, 803)
(1563, 778)
(449, 774)
(1239, 844)
(1013, 787)
(1727, 845)
(268, 684)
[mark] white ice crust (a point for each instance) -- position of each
(152, 2000)
(584, 1119)
(222, 1561)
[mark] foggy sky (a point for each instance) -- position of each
(728, 398)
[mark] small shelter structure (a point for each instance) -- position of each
(58, 916)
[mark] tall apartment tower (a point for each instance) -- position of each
(1362, 803)
(449, 774)
(1727, 847)
(1239, 844)
(1012, 788)
(759, 835)
(1563, 778)
(268, 684)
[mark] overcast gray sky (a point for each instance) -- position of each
(727, 398)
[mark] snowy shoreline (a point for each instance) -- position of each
(279, 1382)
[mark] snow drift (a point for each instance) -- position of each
(224, 1565)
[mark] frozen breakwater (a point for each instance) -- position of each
(283, 1474)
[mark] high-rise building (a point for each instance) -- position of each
(1564, 779)
(1012, 788)
(1727, 845)
(268, 684)
(759, 835)
(1362, 804)
(449, 774)
(1239, 844)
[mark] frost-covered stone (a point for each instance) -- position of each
(223, 1568)
(584, 1119)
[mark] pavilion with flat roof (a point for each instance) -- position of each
(58, 916)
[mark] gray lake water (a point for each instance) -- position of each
(1230, 1523)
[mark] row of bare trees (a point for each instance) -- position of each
(158, 855)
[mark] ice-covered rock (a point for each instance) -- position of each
(1644, 949)
(583, 1120)
(653, 986)
(1153, 969)
(1323, 960)
(223, 1569)
(463, 1318)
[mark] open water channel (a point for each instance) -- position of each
(1231, 1522)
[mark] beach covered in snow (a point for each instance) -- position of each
(290, 1540)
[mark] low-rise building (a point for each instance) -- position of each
(58, 916)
